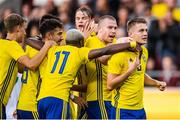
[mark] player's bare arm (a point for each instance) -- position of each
(152, 82)
(34, 42)
(79, 101)
(79, 88)
(36, 60)
(109, 50)
(104, 59)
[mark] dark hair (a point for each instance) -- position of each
(48, 16)
(135, 21)
(102, 18)
(32, 23)
(87, 10)
(2, 29)
(13, 20)
(49, 25)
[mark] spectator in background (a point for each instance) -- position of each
(150, 64)
(69, 7)
(164, 34)
(37, 13)
(139, 8)
(64, 14)
(120, 32)
(65, 18)
(50, 7)
(6, 12)
(129, 4)
(26, 10)
(169, 66)
(170, 3)
(122, 15)
(148, 15)
(102, 8)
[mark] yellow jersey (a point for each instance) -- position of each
(74, 106)
(10, 52)
(30, 82)
(129, 95)
(96, 74)
(63, 62)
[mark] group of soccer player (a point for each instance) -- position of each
(109, 75)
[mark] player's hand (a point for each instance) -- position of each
(161, 85)
(133, 65)
(80, 102)
(50, 43)
(89, 28)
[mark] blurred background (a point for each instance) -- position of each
(163, 18)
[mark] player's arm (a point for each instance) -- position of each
(89, 28)
(115, 80)
(104, 59)
(34, 62)
(20, 68)
(79, 88)
(152, 82)
(34, 42)
(109, 50)
(79, 101)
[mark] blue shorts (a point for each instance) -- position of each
(99, 109)
(23, 114)
(53, 108)
(2, 111)
(127, 114)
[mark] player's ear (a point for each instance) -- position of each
(48, 36)
(130, 33)
(100, 30)
(16, 28)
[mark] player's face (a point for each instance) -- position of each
(139, 33)
(20, 33)
(108, 30)
(81, 18)
(58, 35)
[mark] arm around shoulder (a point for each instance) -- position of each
(34, 62)
(35, 43)
(109, 50)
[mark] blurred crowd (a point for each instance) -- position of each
(163, 18)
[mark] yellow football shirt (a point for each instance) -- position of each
(63, 62)
(30, 81)
(129, 95)
(96, 74)
(74, 106)
(10, 52)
